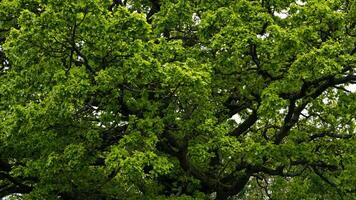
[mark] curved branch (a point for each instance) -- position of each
(294, 112)
(246, 124)
(333, 135)
(328, 181)
(155, 7)
(15, 186)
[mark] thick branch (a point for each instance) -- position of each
(155, 7)
(86, 62)
(290, 120)
(4, 166)
(260, 71)
(328, 181)
(16, 186)
(293, 114)
(246, 124)
(333, 135)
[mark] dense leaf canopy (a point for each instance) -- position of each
(135, 99)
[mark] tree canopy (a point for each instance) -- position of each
(177, 99)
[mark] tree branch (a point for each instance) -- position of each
(333, 135)
(246, 124)
(290, 120)
(15, 187)
(155, 7)
(328, 181)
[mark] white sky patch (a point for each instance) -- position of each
(237, 118)
(264, 36)
(282, 110)
(301, 3)
(326, 101)
(283, 14)
(196, 19)
(79, 44)
(79, 58)
(13, 196)
(305, 112)
(351, 88)
(204, 48)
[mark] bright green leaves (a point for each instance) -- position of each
(272, 102)
(212, 146)
(135, 161)
(134, 99)
(192, 74)
(11, 10)
(318, 63)
(112, 36)
(347, 177)
(174, 15)
(73, 162)
(318, 21)
(131, 166)
(54, 56)
(352, 11)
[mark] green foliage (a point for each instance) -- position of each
(134, 99)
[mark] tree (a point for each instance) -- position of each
(133, 99)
